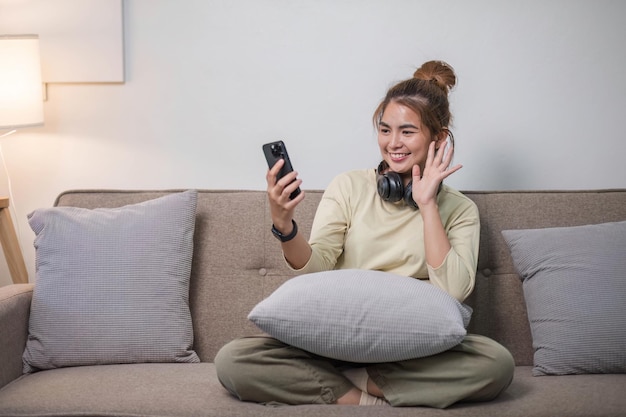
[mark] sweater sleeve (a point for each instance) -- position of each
(457, 274)
(329, 228)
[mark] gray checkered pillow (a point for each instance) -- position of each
(574, 281)
(112, 284)
(363, 316)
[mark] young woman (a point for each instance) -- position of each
(398, 218)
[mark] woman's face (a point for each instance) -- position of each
(402, 139)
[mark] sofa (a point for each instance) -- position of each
(236, 263)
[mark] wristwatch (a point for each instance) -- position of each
(286, 238)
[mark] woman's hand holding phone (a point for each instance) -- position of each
(283, 186)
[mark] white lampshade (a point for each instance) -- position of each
(21, 90)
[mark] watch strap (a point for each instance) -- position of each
(285, 238)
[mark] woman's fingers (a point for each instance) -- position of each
(272, 173)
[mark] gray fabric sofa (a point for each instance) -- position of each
(237, 263)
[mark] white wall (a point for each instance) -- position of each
(540, 97)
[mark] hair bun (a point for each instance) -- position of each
(438, 72)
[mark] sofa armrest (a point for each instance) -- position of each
(14, 312)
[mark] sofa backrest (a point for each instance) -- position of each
(237, 262)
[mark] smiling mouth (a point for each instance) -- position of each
(398, 155)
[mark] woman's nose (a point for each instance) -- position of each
(395, 140)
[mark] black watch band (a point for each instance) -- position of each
(286, 238)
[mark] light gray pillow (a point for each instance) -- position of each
(363, 316)
(574, 281)
(112, 285)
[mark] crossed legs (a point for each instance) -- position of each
(265, 370)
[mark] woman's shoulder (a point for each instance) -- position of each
(351, 185)
(357, 178)
(453, 198)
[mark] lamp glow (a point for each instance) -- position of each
(21, 89)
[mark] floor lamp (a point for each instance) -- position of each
(21, 106)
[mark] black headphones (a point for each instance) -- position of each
(391, 187)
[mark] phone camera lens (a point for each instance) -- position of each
(276, 150)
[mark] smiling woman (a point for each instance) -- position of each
(398, 219)
(413, 116)
(414, 113)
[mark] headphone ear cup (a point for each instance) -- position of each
(382, 185)
(386, 187)
(408, 196)
(390, 187)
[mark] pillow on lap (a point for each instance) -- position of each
(363, 316)
(112, 284)
(574, 283)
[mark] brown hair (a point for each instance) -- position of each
(426, 94)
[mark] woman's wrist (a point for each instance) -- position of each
(429, 208)
(282, 234)
(283, 226)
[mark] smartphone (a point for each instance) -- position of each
(273, 152)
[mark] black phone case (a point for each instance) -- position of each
(273, 152)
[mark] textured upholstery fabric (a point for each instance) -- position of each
(193, 390)
(574, 281)
(237, 263)
(363, 316)
(112, 284)
(15, 303)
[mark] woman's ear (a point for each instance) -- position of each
(440, 138)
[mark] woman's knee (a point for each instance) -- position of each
(265, 370)
(498, 370)
(233, 361)
(225, 366)
(225, 357)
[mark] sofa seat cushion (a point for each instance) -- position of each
(563, 395)
(158, 389)
(185, 390)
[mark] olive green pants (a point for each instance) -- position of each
(265, 370)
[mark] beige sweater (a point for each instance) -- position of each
(355, 229)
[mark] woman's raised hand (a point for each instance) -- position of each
(281, 207)
(436, 169)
